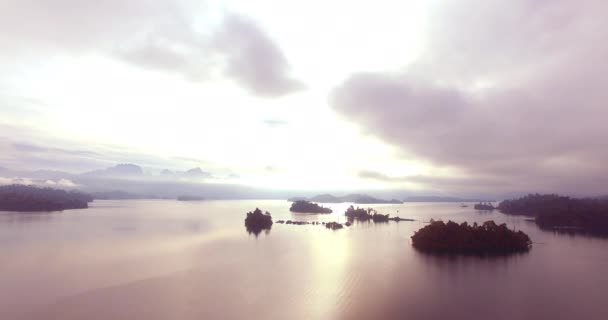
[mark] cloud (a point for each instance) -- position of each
(509, 91)
(59, 183)
(374, 175)
(254, 61)
(64, 183)
(163, 36)
(32, 148)
(21, 155)
(36, 153)
(469, 184)
(275, 123)
(16, 180)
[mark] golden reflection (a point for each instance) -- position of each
(330, 254)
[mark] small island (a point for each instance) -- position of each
(560, 213)
(329, 225)
(30, 198)
(304, 206)
(397, 219)
(256, 221)
(484, 206)
(487, 239)
(190, 198)
(361, 214)
(333, 225)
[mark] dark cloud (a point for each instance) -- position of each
(444, 183)
(159, 36)
(253, 59)
(528, 109)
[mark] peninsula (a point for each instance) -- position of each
(31, 198)
(561, 213)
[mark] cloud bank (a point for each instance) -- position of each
(514, 91)
(174, 37)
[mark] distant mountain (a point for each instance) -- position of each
(190, 198)
(117, 171)
(294, 199)
(166, 172)
(130, 181)
(354, 198)
(49, 174)
(197, 173)
(438, 199)
(121, 195)
(326, 198)
(365, 199)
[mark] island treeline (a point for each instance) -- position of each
(361, 214)
(256, 221)
(484, 206)
(31, 198)
(304, 206)
(484, 239)
(562, 213)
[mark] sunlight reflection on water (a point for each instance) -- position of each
(160, 259)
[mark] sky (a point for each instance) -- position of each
(448, 97)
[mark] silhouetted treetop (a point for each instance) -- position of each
(256, 221)
(559, 212)
(361, 214)
(534, 204)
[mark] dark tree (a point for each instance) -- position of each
(256, 221)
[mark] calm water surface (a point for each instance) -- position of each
(157, 259)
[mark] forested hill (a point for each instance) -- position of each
(30, 198)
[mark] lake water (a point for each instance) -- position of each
(161, 259)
